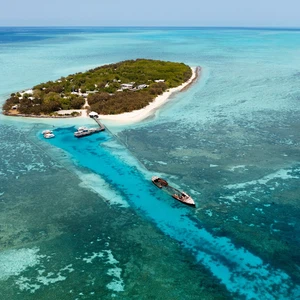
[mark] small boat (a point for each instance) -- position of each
(184, 198)
(181, 196)
(159, 182)
(84, 131)
(47, 131)
(49, 135)
(82, 128)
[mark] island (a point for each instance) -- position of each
(112, 89)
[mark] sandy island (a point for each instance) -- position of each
(129, 117)
(141, 114)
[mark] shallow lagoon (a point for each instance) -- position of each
(240, 271)
(231, 140)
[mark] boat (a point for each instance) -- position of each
(82, 128)
(184, 198)
(159, 182)
(84, 131)
(49, 135)
(47, 131)
(181, 196)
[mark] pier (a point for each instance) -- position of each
(84, 131)
(102, 127)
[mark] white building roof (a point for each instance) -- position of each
(92, 113)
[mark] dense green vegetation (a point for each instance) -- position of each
(103, 87)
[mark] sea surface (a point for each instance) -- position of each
(80, 218)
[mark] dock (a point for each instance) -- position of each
(84, 131)
(102, 127)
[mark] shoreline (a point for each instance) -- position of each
(127, 117)
(143, 113)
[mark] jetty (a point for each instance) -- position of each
(95, 117)
(84, 131)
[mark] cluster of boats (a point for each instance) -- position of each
(159, 182)
(81, 131)
(48, 134)
(176, 194)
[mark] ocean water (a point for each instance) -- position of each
(80, 219)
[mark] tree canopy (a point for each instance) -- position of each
(109, 89)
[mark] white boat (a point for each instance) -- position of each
(82, 128)
(181, 196)
(184, 198)
(84, 131)
(49, 135)
(47, 131)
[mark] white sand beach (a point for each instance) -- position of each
(113, 120)
(141, 114)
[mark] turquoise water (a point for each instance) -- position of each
(80, 217)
